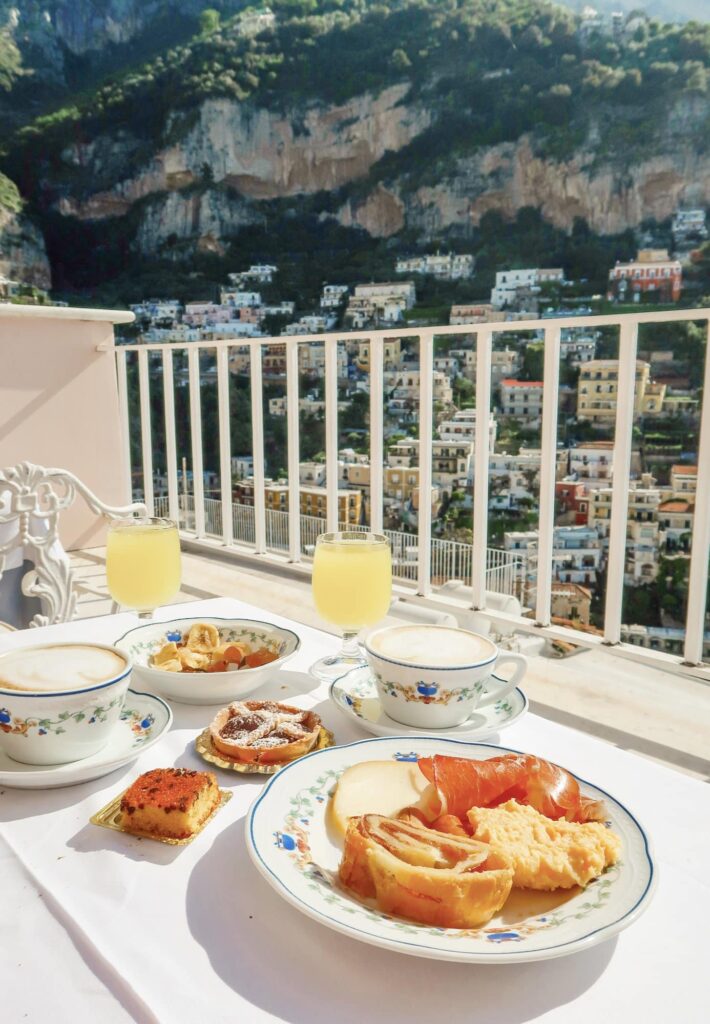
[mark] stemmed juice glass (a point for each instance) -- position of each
(352, 588)
(143, 562)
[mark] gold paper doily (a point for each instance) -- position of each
(205, 748)
(110, 817)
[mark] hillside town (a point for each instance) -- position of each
(663, 461)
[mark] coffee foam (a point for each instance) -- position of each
(432, 646)
(60, 667)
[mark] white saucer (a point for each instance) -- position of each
(143, 721)
(355, 694)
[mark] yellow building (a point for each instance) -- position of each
(598, 389)
(392, 355)
(400, 482)
(314, 502)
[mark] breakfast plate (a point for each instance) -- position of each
(144, 719)
(355, 694)
(291, 839)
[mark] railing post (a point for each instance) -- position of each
(294, 485)
(377, 457)
(225, 443)
(700, 541)
(257, 446)
(426, 389)
(146, 430)
(198, 483)
(548, 471)
(628, 341)
(170, 434)
(484, 349)
(331, 433)
(122, 374)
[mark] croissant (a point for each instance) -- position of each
(427, 876)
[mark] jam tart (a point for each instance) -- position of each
(264, 732)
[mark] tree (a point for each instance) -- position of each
(209, 21)
(400, 61)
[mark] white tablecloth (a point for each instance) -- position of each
(99, 927)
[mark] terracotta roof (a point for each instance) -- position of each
(674, 505)
(562, 588)
(685, 470)
(510, 383)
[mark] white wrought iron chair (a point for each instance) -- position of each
(31, 501)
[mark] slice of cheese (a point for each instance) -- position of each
(379, 787)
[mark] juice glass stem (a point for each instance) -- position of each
(350, 648)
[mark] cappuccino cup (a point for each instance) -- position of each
(435, 677)
(60, 702)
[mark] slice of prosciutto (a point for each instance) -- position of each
(462, 783)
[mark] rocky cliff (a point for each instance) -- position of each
(228, 157)
(23, 256)
(260, 154)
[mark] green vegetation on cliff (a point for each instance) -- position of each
(487, 71)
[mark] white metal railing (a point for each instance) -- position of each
(450, 559)
(477, 568)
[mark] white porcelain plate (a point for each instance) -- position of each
(291, 846)
(355, 694)
(143, 721)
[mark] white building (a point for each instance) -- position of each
(522, 399)
(312, 473)
(577, 554)
(452, 266)
(592, 462)
(279, 309)
(450, 461)
(261, 272)
(238, 298)
(578, 347)
(463, 428)
(509, 283)
(448, 365)
(242, 466)
(405, 388)
(333, 295)
(232, 329)
(380, 300)
(311, 323)
(689, 224)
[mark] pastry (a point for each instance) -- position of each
(169, 802)
(426, 876)
(545, 854)
(264, 732)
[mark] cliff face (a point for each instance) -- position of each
(23, 256)
(201, 219)
(84, 25)
(610, 193)
(229, 156)
(258, 153)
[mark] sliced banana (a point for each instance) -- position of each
(168, 652)
(171, 666)
(203, 637)
(193, 659)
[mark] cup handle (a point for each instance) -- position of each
(502, 689)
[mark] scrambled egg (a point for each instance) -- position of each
(545, 854)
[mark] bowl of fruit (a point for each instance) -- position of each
(207, 661)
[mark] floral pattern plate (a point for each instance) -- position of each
(289, 841)
(355, 694)
(143, 721)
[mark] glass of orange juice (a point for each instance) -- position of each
(352, 588)
(143, 562)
